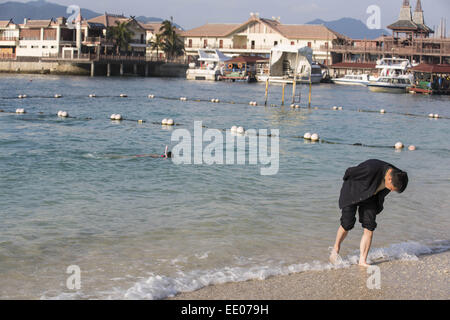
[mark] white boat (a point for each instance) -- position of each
(394, 76)
(390, 84)
(288, 63)
(353, 79)
(210, 65)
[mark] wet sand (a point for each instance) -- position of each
(426, 278)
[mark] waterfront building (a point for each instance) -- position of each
(9, 38)
(411, 39)
(257, 36)
(138, 43)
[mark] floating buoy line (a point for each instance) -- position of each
(236, 130)
(251, 103)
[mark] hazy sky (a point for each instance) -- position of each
(193, 13)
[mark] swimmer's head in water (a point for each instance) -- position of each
(169, 154)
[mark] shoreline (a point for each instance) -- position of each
(426, 278)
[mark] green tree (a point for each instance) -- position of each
(121, 35)
(173, 45)
(157, 43)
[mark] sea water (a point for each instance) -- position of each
(72, 194)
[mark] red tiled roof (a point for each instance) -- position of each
(432, 68)
(350, 65)
(212, 30)
(289, 31)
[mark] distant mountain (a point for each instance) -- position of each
(352, 28)
(38, 10)
(42, 9)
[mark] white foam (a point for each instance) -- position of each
(160, 287)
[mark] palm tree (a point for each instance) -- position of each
(121, 34)
(157, 43)
(173, 45)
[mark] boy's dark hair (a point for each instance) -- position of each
(399, 180)
(169, 154)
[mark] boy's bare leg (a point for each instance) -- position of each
(334, 256)
(364, 247)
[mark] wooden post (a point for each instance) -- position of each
(121, 69)
(108, 70)
(92, 69)
(310, 89)
(294, 83)
(295, 79)
(267, 91)
(282, 96)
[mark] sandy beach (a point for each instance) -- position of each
(426, 278)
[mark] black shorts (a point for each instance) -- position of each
(367, 209)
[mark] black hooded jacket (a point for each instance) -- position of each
(361, 183)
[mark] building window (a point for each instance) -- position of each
(292, 43)
(275, 43)
(190, 43)
(220, 44)
(253, 44)
(205, 43)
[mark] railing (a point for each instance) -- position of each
(394, 48)
(7, 56)
(2, 38)
(229, 47)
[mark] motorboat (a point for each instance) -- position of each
(353, 79)
(210, 65)
(390, 84)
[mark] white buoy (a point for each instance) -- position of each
(112, 117)
(20, 111)
(340, 108)
(436, 116)
(233, 129)
(20, 96)
(399, 146)
(412, 148)
(382, 111)
(170, 122)
(58, 96)
(164, 121)
(297, 106)
(140, 121)
(118, 117)
(92, 95)
(335, 108)
(151, 96)
(217, 101)
(240, 130)
(292, 105)
(123, 95)
(314, 137)
(431, 115)
(307, 136)
(64, 114)
(59, 113)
